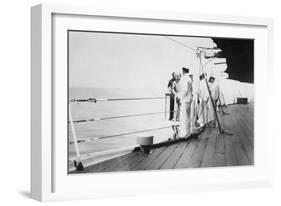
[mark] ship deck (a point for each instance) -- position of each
(210, 149)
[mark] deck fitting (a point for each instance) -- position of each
(78, 165)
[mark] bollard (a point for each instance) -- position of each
(144, 143)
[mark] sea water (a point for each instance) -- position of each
(103, 128)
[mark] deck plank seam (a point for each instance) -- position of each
(241, 142)
(146, 168)
(181, 155)
(197, 143)
(201, 159)
(168, 156)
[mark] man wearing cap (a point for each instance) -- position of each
(204, 97)
(176, 90)
(186, 100)
(172, 95)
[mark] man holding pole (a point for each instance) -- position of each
(215, 93)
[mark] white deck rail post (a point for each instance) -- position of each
(77, 163)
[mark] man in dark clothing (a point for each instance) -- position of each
(172, 95)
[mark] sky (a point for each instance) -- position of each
(132, 61)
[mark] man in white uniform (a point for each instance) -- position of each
(215, 93)
(204, 97)
(176, 90)
(186, 100)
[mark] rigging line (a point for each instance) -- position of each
(118, 135)
(180, 43)
(208, 61)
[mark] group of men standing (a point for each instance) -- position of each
(191, 105)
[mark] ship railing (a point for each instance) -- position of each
(78, 164)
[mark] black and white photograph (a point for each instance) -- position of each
(158, 101)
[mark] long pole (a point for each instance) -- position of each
(210, 95)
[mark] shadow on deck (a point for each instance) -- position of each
(210, 149)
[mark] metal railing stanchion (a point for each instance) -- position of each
(77, 163)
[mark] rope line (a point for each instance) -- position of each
(94, 100)
(116, 117)
(117, 135)
(180, 43)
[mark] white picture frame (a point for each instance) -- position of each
(50, 182)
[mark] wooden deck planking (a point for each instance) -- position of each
(230, 158)
(108, 165)
(240, 153)
(197, 150)
(245, 131)
(230, 154)
(131, 162)
(241, 138)
(219, 156)
(246, 116)
(186, 156)
(163, 157)
(173, 158)
(210, 149)
(197, 156)
(149, 159)
(208, 158)
(249, 133)
(243, 121)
